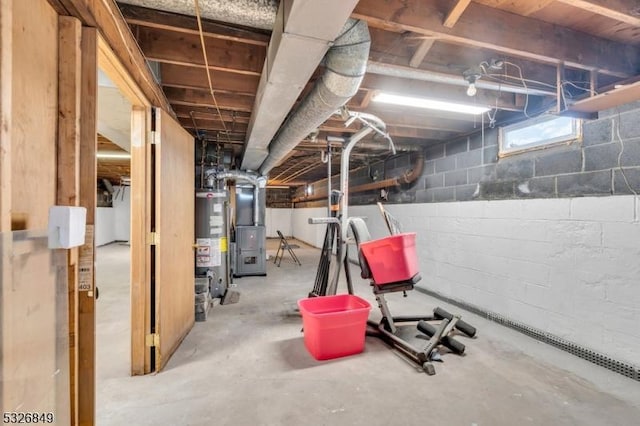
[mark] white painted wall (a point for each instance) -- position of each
(301, 230)
(114, 223)
(570, 267)
(105, 225)
(122, 208)
(278, 219)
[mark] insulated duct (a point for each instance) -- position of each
(346, 63)
(249, 13)
(254, 179)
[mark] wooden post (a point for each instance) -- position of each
(6, 65)
(86, 259)
(68, 170)
(561, 105)
(140, 363)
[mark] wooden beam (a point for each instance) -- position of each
(456, 11)
(203, 98)
(213, 125)
(140, 251)
(68, 171)
(196, 78)
(186, 49)
(135, 15)
(6, 85)
(534, 6)
(488, 28)
(613, 98)
(119, 75)
(86, 297)
(627, 11)
(208, 113)
(421, 52)
(560, 79)
(105, 15)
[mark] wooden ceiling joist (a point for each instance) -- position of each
(135, 15)
(185, 49)
(196, 78)
(421, 52)
(203, 98)
(456, 11)
(488, 28)
(627, 11)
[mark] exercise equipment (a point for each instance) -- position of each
(395, 331)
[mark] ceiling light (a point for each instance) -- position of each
(471, 76)
(472, 90)
(429, 104)
(113, 155)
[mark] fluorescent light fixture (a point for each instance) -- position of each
(429, 104)
(113, 155)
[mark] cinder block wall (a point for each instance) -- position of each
(469, 168)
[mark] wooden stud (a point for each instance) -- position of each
(560, 101)
(6, 80)
(139, 250)
(593, 82)
(456, 11)
(86, 297)
(68, 191)
(488, 28)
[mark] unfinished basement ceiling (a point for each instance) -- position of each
(419, 48)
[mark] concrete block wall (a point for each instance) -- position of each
(566, 266)
(605, 162)
(279, 197)
(469, 168)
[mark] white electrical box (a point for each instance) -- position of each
(66, 226)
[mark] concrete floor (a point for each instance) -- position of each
(247, 365)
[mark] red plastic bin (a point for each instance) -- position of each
(391, 259)
(334, 326)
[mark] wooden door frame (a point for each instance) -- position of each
(140, 204)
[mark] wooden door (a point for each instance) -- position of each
(172, 253)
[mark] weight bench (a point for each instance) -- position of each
(284, 245)
(389, 328)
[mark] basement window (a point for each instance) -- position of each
(541, 132)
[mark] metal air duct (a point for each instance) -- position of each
(346, 63)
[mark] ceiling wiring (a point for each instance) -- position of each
(206, 64)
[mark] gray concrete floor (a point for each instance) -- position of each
(247, 365)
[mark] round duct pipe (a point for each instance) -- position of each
(345, 66)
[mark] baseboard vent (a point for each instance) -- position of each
(620, 367)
